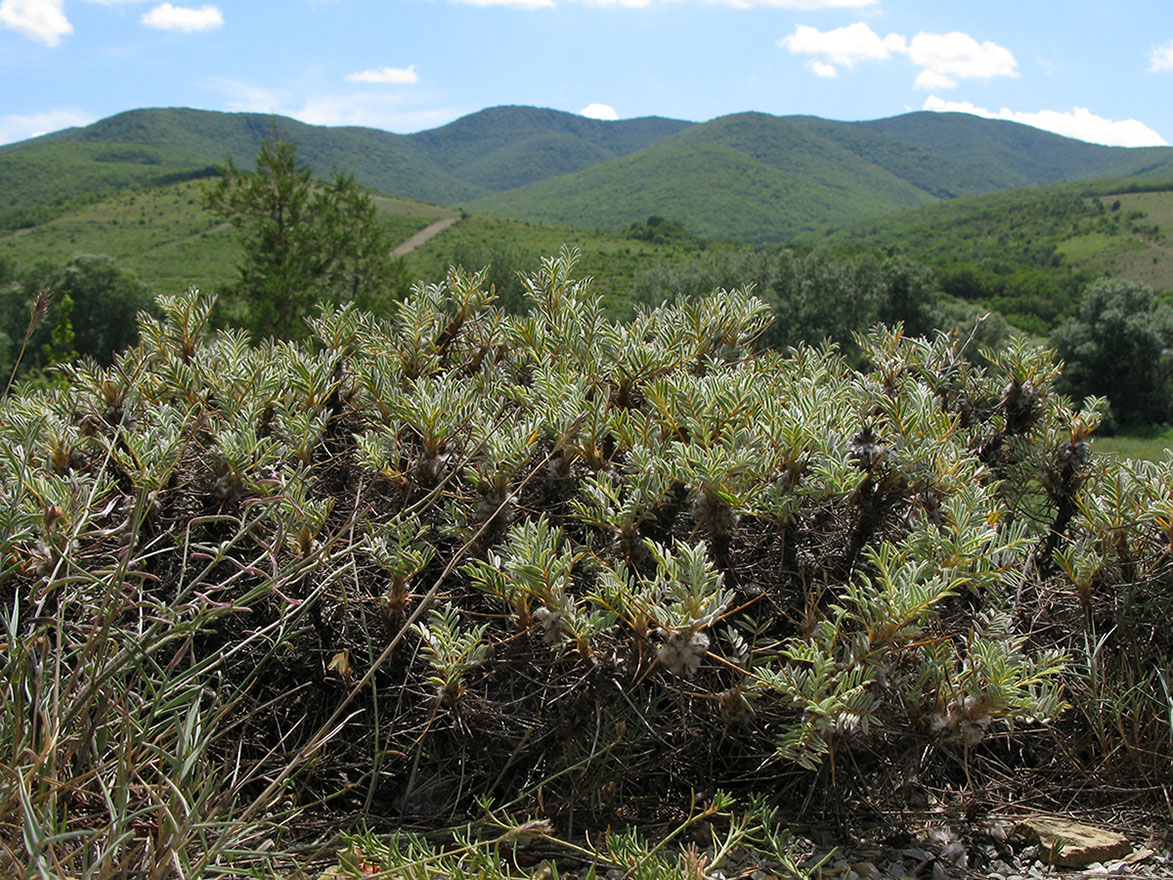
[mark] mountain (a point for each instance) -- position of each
(763, 178)
(1009, 154)
(506, 147)
(479, 154)
(748, 176)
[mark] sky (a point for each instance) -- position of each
(1098, 70)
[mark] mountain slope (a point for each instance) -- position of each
(1008, 154)
(505, 147)
(748, 176)
(775, 177)
(488, 151)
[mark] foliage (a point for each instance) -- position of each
(304, 241)
(658, 230)
(1027, 253)
(583, 568)
(815, 296)
(92, 294)
(488, 848)
(163, 235)
(1117, 347)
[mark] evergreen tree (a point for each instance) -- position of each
(305, 241)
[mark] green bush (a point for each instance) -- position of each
(577, 567)
(98, 299)
(1117, 347)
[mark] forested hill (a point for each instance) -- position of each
(748, 176)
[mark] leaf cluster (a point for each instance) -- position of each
(554, 560)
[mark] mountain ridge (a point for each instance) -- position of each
(751, 176)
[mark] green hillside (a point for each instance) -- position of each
(1029, 252)
(1008, 154)
(749, 177)
(1078, 225)
(165, 238)
(482, 153)
(761, 178)
(508, 247)
(150, 146)
(505, 147)
(935, 171)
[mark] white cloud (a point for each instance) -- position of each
(957, 54)
(1078, 122)
(16, 127)
(599, 111)
(845, 45)
(1161, 58)
(183, 18)
(943, 58)
(41, 20)
(371, 110)
(115, 2)
(930, 80)
(396, 75)
(388, 110)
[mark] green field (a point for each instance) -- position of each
(166, 238)
(508, 247)
(1151, 445)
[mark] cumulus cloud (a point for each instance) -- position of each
(395, 75)
(388, 110)
(599, 111)
(40, 20)
(17, 127)
(1161, 58)
(930, 80)
(960, 55)
(183, 18)
(845, 45)
(943, 58)
(370, 111)
(1078, 122)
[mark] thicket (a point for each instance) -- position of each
(86, 307)
(660, 230)
(455, 563)
(1117, 346)
(813, 296)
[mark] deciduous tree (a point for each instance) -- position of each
(1115, 348)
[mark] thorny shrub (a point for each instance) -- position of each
(576, 566)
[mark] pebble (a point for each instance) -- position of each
(945, 856)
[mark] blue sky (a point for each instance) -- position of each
(1100, 70)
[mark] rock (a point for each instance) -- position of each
(1072, 844)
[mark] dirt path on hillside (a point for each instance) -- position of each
(423, 236)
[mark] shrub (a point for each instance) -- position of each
(571, 565)
(1117, 348)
